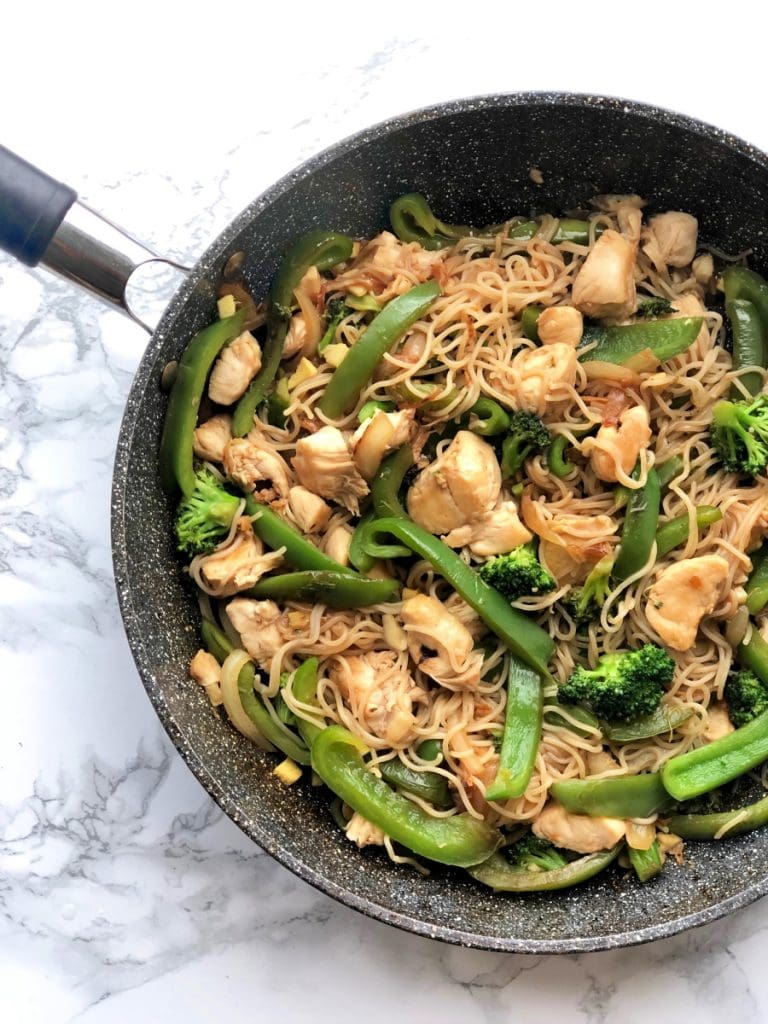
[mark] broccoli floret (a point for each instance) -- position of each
(527, 436)
(746, 696)
(585, 603)
(519, 573)
(204, 518)
(739, 434)
(654, 306)
(533, 854)
(622, 686)
(335, 312)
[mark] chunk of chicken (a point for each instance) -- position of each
(578, 832)
(605, 283)
(239, 565)
(476, 765)
(718, 723)
(234, 370)
(380, 693)
(560, 324)
(336, 543)
(259, 626)
(210, 438)
(543, 375)
(615, 449)
(205, 670)
(309, 510)
(670, 240)
(492, 533)
(682, 595)
(429, 625)
(296, 338)
(464, 482)
(583, 538)
(378, 436)
(362, 832)
(689, 304)
(247, 463)
(387, 267)
(324, 465)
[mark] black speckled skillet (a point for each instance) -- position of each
(472, 159)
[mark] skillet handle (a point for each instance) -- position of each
(43, 222)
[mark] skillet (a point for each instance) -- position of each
(472, 159)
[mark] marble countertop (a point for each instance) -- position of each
(124, 892)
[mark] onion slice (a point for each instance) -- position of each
(230, 671)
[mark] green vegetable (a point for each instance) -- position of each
(557, 716)
(665, 338)
(358, 555)
(423, 394)
(568, 230)
(383, 332)
(412, 220)
(623, 796)
(698, 771)
(369, 409)
(757, 584)
(663, 720)
(746, 697)
(527, 436)
(215, 641)
(585, 603)
(459, 840)
(647, 863)
(623, 685)
(364, 303)
(653, 306)
(490, 419)
(529, 322)
(432, 751)
(335, 312)
(278, 401)
(749, 347)
(640, 523)
(277, 533)
(305, 691)
(517, 574)
(739, 434)
(321, 249)
(385, 486)
(522, 732)
(427, 785)
(205, 516)
(754, 656)
(501, 876)
(335, 589)
(668, 471)
(674, 532)
(557, 464)
(176, 459)
(707, 826)
(533, 854)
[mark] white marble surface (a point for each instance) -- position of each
(124, 893)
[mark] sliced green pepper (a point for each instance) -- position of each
(277, 533)
(568, 230)
(362, 560)
(490, 418)
(665, 338)
(749, 348)
(757, 584)
(754, 655)
(707, 826)
(647, 863)
(215, 641)
(522, 733)
(560, 716)
(321, 249)
(176, 459)
(427, 785)
(424, 395)
(667, 471)
(622, 796)
(305, 691)
(501, 876)
(557, 464)
(639, 531)
(529, 322)
(348, 380)
(370, 409)
(412, 220)
(663, 720)
(385, 486)
(335, 589)
(459, 840)
(674, 532)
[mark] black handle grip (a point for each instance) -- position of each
(32, 206)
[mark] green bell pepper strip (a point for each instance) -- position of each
(321, 249)
(706, 768)
(640, 522)
(662, 720)
(754, 656)
(672, 534)
(529, 322)
(385, 330)
(749, 347)
(335, 589)
(277, 533)
(647, 863)
(623, 796)
(412, 220)
(707, 826)
(557, 464)
(522, 733)
(370, 409)
(218, 643)
(501, 876)
(431, 750)
(385, 486)
(176, 458)
(490, 420)
(740, 283)
(667, 471)
(568, 230)
(757, 584)
(557, 716)
(358, 555)
(304, 689)
(459, 840)
(422, 394)
(427, 785)
(665, 338)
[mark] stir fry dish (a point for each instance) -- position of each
(478, 520)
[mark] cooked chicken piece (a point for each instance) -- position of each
(362, 832)
(233, 371)
(387, 267)
(210, 438)
(205, 670)
(429, 625)
(258, 623)
(578, 832)
(560, 324)
(336, 543)
(492, 533)
(380, 693)
(464, 482)
(378, 436)
(324, 465)
(682, 595)
(689, 304)
(466, 615)
(247, 463)
(238, 566)
(476, 765)
(296, 338)
(617, 447)
(309, 510)
(718, 723)
(670, 240)
(605, 284)
(703, 268)
(543, 375)
(584, 538)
